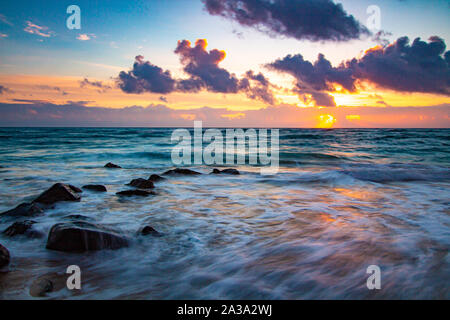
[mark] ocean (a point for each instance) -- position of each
(343, 199)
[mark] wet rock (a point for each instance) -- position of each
(95, 187)
(112, 166)
(4, 256)
(23, 228)
(147, 230)
(141, 184)
(139, 193)
(181, 171)
(155, 178)
(25, 210)
(80, 236)
(58, 192)
(40, 287)
(226, 171)
(78, 217)
(75, 189)
(46, 283)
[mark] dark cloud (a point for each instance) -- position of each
(203, 67)
(314, 80)
(96, 84)
(416, 67)
(314, 20)
(146, 77)
(163, 99)
(204, 73)
(4, 89)
(58, 89)
(419, 67)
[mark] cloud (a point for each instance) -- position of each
(314, 20)
(163, 99)
(5, 20)
(146, 77)
(58, 89)
(38, 30)
(85, 37)
(76, 113)
(314, 80)
(95, 84)
(400, 66)
(3, 35)
(419, 67)
(4, 89)
(204, 73)
(203, 67)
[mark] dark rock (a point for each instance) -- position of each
(139, 193)
(78, 217)
(147, 230)
(40, 287)
(112, 166)
(225, 171)
(46, 283)
(23, 228)
(81, 236)
(25, 210)
(182, 171)
(58, 192)
(95, 187)
(4, 256)
(75, 189)
(155, 178)
(141, 183)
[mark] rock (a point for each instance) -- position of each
(46, 283)
(182, 171)
(4, 256)
(58, 192)
(147, 230)
(23, 228)
(225, 171)
(25, 210)
(95, 187)
(141, 183)
(79, 236)
(75, 189)
(40, 287)
(112, 166)
(155, 178)
(78, 217)
(139, 193)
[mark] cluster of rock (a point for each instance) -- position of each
(79, 233)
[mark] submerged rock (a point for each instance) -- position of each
(58, 192)
(147, 230)
(181, 171)
(141, 183)
(112, 166)
(46, 283)
(155, 178)
(226, 171)
(23, 228)
(40, 287)
(139, 193)
(4, 256)
(79, 236)
(25, 210)
(95, 187)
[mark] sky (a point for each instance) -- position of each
(259, 63)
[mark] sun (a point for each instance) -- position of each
(325, 121)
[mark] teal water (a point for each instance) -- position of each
(343, 199)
